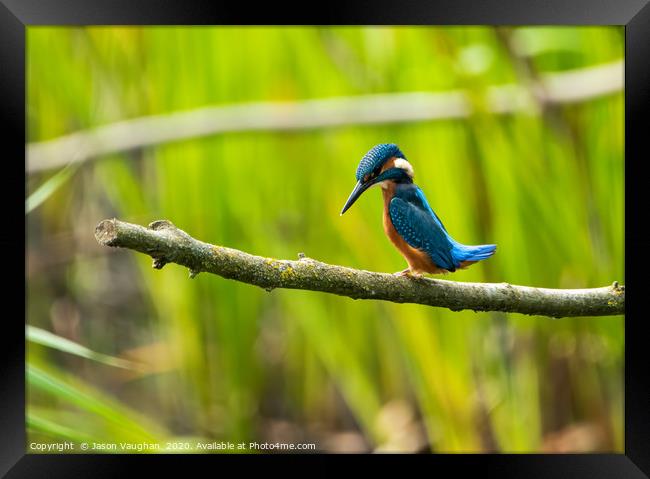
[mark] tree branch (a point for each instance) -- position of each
(167, 244)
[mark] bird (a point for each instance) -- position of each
(409, 222)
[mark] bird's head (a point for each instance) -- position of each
(383, 163)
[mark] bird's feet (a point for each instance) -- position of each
(410, 274)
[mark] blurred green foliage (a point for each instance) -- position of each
(228, 361)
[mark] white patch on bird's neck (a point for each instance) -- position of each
(405, 165)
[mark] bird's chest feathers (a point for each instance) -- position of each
(417, 260)
(388, 191)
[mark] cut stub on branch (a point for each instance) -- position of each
(165, 243)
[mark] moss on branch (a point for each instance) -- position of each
(167, 244)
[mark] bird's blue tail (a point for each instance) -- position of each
(463, 252)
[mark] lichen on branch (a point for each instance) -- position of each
(167, 244)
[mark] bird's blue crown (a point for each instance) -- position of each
(376, 157)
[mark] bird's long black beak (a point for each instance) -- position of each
(356, 192)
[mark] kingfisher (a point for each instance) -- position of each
(409, 222)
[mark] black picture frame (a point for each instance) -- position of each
(16, 15)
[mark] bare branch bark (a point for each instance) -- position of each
(167, 244)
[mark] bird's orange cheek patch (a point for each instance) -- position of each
(388, 165)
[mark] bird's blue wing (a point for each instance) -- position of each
(422, 231)
(420, 194)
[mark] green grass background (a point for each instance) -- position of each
(228, 361)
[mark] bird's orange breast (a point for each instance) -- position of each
(418, 261)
